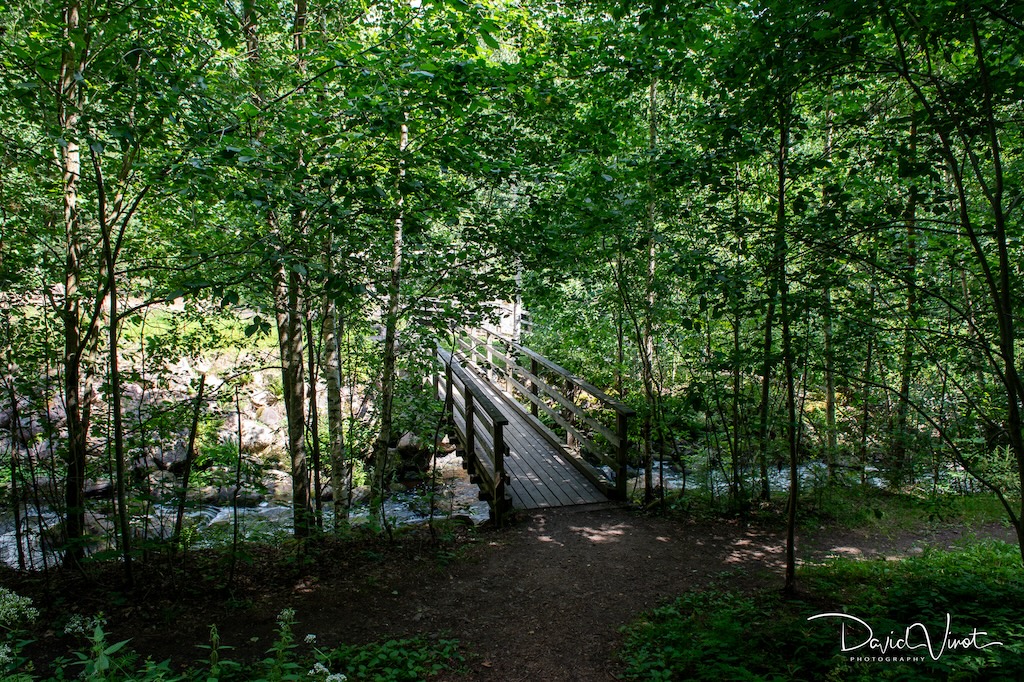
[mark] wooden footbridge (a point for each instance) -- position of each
(531, 434)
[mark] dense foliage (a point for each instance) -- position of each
(785, 232)
(720, 634)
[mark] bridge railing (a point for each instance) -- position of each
(593, 422)
(480, 427)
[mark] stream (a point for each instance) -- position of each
(211, 525)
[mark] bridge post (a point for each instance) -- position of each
(470, 427)
(498, 503)
(622, 427)
(570, 394)
(449, 392)
(534, 369)
(436, 377)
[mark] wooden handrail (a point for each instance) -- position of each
(571, 417)
(616, 405)
(469, 380)
(486, 464)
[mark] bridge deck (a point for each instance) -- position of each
(539, 476)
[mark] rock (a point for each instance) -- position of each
(279, 485)
(361, 494)
(27, 429)
(5, 418)
(256, 437)
(270, 415)
(167, 458)
(448, 463)
(163, 485)
(132, 392)
(99, 489)
(246, 498)
(95, 524)
(207, 494)
(409, 443)
(57, 414)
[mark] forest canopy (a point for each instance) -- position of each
(784, 232)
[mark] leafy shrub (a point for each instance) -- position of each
(716, 634)
(413, 660)
(408, 660)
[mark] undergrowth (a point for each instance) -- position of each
(881, 511)
(99, 660)
(716, 634)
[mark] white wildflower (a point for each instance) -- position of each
(286, 618)
(319, 669)
(6, 656)
(80, 625)
(310, 639)
(14, 609)
(336, 677)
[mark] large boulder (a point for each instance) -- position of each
(167, 457)
(256, 437)
(409, 444)
(271, 415)
(99, 489)
(278, 484)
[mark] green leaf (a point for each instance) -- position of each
(114, 648)
(489, 40)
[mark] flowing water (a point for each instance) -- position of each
(211, 525)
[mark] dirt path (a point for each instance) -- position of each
(543, 600)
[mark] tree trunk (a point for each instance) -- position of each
(16, 493)
(763, 435)
(335, 423)
(314, 425)
(831, 443)
(648, 330)
(902, 457)
(389, 375)
(781, 258)
(287, 303)
(120, 477)
(69, 157)
(189, 457)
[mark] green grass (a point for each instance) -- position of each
(222, 331)
(888, 513)
(716, 634)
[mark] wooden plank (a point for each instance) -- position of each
(585, 468)
(560, 473)
(538, 475)
(545, 461)
(530, 466)
(530, 474)
(561, 421)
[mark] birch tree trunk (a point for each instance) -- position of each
(73, 62)
(340, 470)
(389, 377)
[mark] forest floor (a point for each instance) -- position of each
(542, 600)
